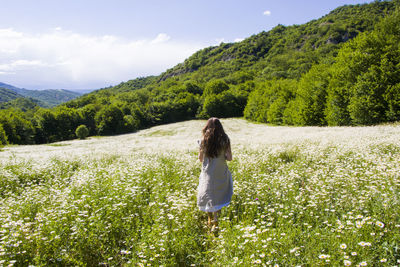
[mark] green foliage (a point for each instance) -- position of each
(7, 95)
(311, 96)
(133, 84)
(67, 120)
(109, 120)
(43, 98)
(392, 97)
(215, 87)
(82, 131)
(88, 114)
(269, 101)
(367, 71)
(22, 103)
(18, 128)
(46, 126)
(3, 137)
(131, 123)
(222, 101)
(225, 104)
(49, 97)
(192, 88)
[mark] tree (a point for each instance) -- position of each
(257, 105)
(3, 136)
(311, 96)
(131, 123)
(221, 105)
(18, 129)
(46, 126)
(68, 119)
(193, 88)
(392, 97)
(365, 77)
(88, 114)
(109, 120)
(215, 87)
(269, 101)
(82, 131)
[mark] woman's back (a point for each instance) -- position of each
(215, 184)
(215, 166)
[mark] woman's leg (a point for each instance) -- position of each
(210, 218)
(216, 214)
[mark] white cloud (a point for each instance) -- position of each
(161, 38)
(61, 58)
(238, 40)
(267, 13)
(6, 73)
(19, 64)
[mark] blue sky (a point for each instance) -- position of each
(88, 44)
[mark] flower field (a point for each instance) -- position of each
(309, 196)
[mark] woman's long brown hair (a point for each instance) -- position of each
(215, 139)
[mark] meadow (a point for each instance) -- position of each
(303, 196)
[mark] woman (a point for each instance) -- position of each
(215, 183)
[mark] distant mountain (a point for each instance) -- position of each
(22, 103)
(7, 94)
(7, 86)
(47, 98)
(10, 99)
(53, 97)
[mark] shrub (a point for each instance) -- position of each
(82, 131)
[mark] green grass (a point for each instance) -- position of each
(293, 207)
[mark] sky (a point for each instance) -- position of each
(91, 44)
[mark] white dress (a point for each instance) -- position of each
(215, 184)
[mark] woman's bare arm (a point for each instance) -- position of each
(228, 153)
(201, 155)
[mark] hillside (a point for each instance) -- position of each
(44, 98)
(23, 104)
(283, 52)
(52, 97)
(8, 95)
(8, 86)
(340, 69)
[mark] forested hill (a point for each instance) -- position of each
(8, 95)
(341, 69)
(43, 98)
(285, 51)
(50, 97)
